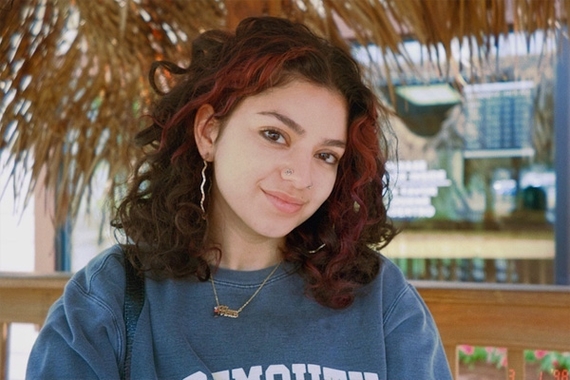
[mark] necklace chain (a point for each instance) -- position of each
(225, 311)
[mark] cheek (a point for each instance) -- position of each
(324, 186)
(230, 161)
(233, 177)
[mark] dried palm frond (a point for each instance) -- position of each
(73, 76)
(73, 73)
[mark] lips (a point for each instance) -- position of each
(284, 202)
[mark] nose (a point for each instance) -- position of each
(299, 173)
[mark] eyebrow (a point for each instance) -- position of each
(285, 120)
(300, 130)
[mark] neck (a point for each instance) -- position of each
(242, 246)
(243, 254)
(247, 264)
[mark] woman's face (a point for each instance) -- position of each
(276, 158)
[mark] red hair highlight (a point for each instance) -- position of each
(226, 68)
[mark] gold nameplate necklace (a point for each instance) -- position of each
(225, 311)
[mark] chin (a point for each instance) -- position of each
(280, 227)
(275, 233)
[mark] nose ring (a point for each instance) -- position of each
(310, 187)
(288, 172)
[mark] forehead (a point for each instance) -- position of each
(299, 95)
(301, 101)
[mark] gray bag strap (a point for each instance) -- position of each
(134, 300)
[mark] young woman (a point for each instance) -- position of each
(250, 219)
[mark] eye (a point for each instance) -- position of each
(274, 136)
(329, 158)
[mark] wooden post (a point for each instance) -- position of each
(44, 234)
(452, 359)
(240, 9)
(516, 369)
(562, 156)
(3, 350)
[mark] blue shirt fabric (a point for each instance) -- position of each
(388, 333)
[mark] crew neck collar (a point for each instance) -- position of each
(253, 277)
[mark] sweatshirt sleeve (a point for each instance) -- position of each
(84, 333)
(413, 346)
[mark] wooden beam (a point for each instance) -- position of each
(237, 10)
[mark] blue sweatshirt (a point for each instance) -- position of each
(388, 333)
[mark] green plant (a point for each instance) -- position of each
(470, 355)
(549, 361)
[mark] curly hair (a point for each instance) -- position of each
(160, 213)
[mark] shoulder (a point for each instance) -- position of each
(389, 271)
(97, 290)
(399, 299)
(104, 275)
(84, 333)
(390, 280)
(94, 297)
(413, 346)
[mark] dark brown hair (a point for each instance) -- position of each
(160, 213)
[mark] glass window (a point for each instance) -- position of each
(473, 181)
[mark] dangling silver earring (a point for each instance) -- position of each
(318, 249)
(202, 190)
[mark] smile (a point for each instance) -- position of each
(283, 202)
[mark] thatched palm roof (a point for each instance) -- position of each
(73, 72)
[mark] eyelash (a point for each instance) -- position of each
(274, 136)
(267, 133)
(330, 156)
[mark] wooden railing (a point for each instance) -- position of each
(25, 298)
(487, 256)
(517, 317)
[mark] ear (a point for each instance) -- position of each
(206, 130)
